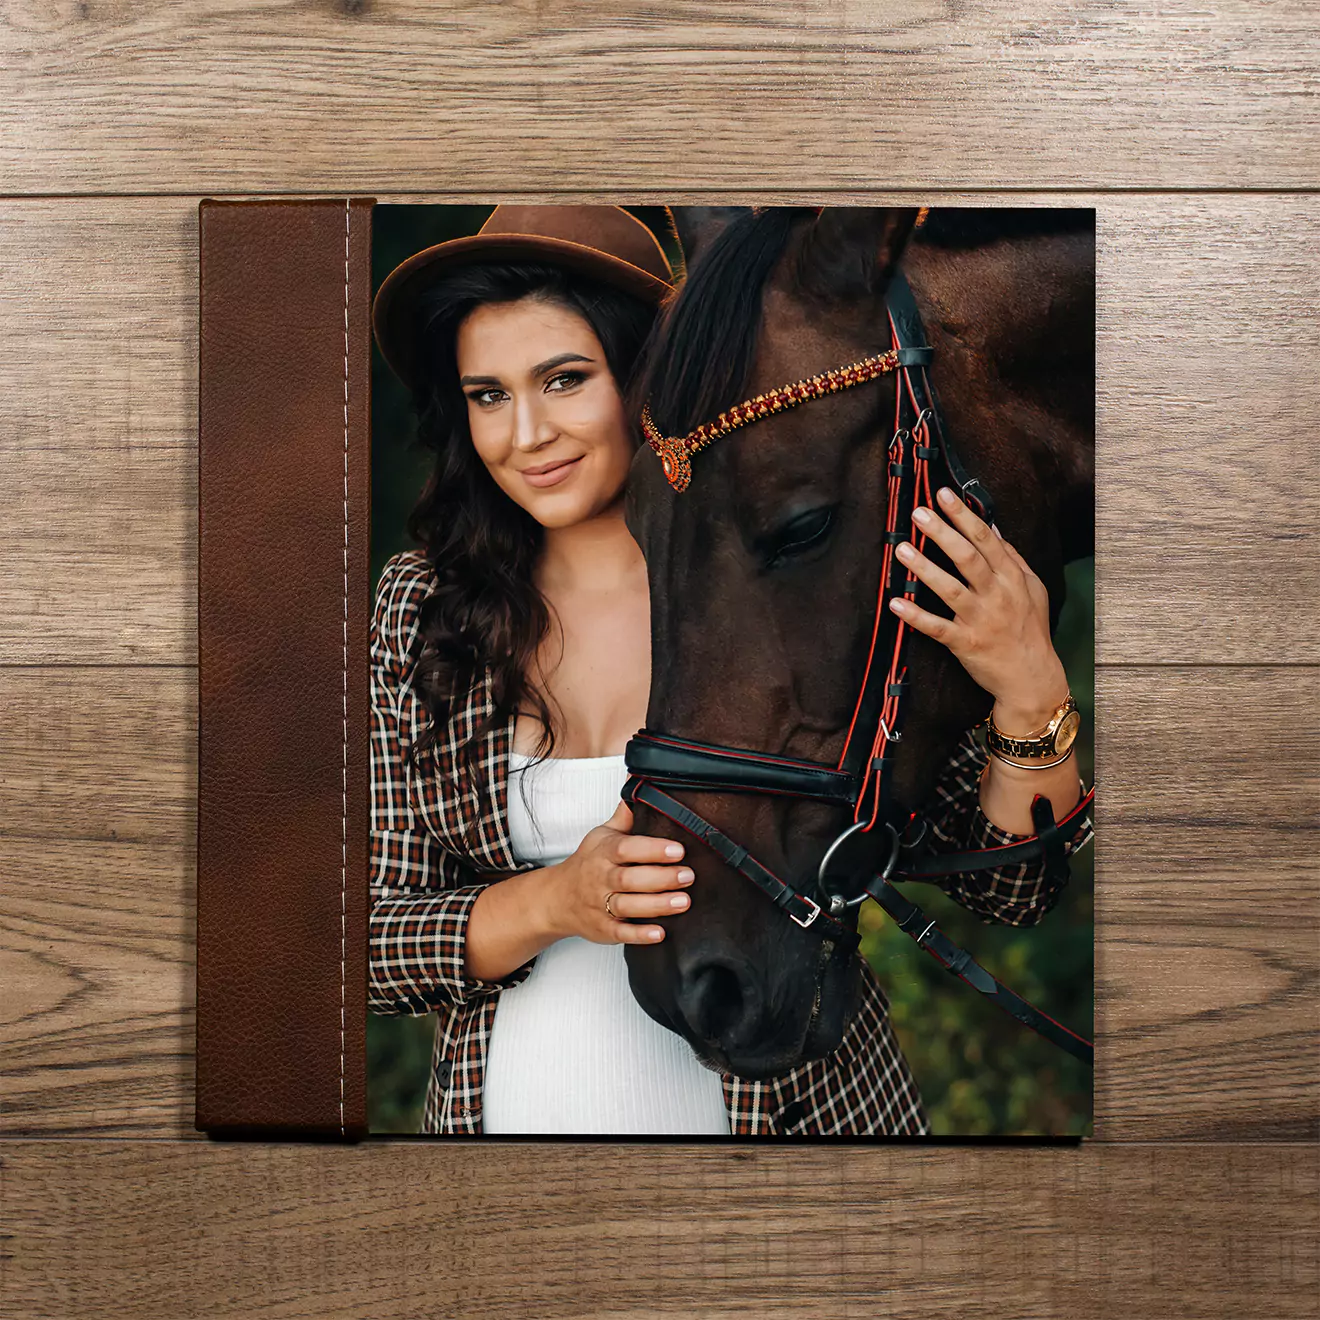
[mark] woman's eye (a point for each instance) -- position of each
(558, 383)
(798, 535)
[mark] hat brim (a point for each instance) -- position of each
(395, 305)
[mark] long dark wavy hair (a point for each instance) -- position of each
(485, 611)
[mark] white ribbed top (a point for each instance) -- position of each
(571, 1050)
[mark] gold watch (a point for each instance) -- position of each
(1050, 743)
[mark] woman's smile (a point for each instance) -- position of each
(551, 474)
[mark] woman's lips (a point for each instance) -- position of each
(551, 475)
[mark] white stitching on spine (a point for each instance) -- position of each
(343, 772)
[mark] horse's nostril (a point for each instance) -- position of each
(716, 1001)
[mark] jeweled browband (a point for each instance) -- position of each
(676, 451)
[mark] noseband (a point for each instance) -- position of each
(878, 846)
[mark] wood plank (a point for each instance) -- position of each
(98, 432)
(555, 1230)
(100, 564)
(1208, 940)
(1209, 370)
(98, 901)
(102, 97)
(98, 961)
(1207, 910)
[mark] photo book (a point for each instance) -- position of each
(645, 671)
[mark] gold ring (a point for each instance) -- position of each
(609, 909)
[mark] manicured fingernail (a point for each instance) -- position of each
(685, 877)
(904, 550)
(897, 605)
(947, 495)
(994, 527)
(674, 850)
(921, 516)
(679, 901)
(655, 933)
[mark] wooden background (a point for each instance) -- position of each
(1191, 128)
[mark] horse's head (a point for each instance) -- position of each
(764, 571)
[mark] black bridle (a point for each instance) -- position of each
(879, 846)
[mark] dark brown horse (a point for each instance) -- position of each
(764, 572)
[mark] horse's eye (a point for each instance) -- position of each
(798, 535)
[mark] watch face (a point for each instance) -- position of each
(1067, 731)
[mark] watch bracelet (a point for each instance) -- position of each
(1022, 746)
(1026, 765)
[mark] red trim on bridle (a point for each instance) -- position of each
(905, 444)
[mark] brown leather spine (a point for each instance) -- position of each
(283, 601)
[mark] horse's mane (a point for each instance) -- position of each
(702, 350)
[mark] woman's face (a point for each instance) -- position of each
(544, 411)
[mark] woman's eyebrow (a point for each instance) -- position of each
(541, 369)
(551, 363)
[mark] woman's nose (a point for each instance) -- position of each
(531, 427)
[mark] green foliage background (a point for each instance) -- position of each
(980, 1072)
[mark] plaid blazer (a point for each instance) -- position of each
(433, 848)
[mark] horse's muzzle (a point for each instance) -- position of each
(735, 1024)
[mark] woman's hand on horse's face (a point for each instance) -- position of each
(1000, 631)
(642, 877)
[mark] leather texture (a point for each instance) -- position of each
(803, 909)
(283, 605)
(688, 764)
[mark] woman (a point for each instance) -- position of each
(512, 651)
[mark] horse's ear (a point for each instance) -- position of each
(851, 251)
(697, 225)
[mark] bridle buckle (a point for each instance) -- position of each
(804, 922)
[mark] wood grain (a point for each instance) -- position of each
(1208, 939)
(1207, 903)
(115, 118)
(104, 96)
(1208, 390)
(98, 899)
(412, 1229)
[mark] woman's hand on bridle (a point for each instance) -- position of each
(638, 874)
(1000, 631)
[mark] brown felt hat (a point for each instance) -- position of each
(604, 242)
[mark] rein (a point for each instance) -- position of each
(873, 850)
